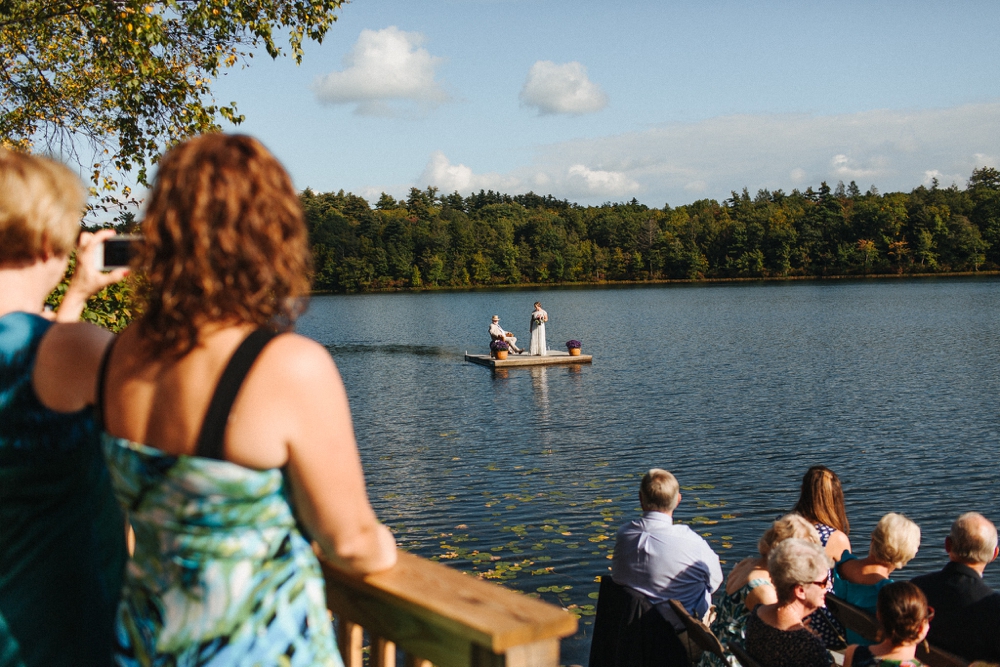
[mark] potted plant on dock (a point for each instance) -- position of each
(574, 347)
(498, 348)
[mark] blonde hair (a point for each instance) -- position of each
(659, 490)
(41, 204)
(895, 540)
(789, 526)
(794, 563)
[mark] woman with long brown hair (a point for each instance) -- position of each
(821, 501)
(229, 438)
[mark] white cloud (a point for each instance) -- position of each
(890, 149)
(440, 173)
(383, 69)
(576, 180)
(566, 89)
(680, 162)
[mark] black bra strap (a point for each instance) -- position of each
(213, 430)
(102, 372)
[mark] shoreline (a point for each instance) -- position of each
(664, 281)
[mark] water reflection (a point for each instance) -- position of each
(540, 385)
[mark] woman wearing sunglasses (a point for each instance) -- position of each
(776, 635)
(905, 618)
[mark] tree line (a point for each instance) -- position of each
(431, 239)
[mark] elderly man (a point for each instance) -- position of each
(497, 333)
(967, 611)
(663, 560)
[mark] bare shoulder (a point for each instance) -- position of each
(837, 544)
(79, 342)
(296, 358)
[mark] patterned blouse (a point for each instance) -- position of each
(863, 658)
(730, 622)
(784, 648)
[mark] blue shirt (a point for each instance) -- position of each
(664, 561)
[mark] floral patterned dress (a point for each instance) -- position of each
(221, 574)
(731, 622)
(863, 658)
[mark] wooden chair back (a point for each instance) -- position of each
(697, 631)
(936, 657)
(742, 656)
(855, 618)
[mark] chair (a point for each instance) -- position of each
(936, 657)
(630, 632)
(741, 655)
(697, 631)
(854, 618)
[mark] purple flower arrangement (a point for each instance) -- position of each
(498, 345)
(573, 345)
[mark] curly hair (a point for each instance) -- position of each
(41, 204)
(901, 610)
(822, 499)
(225, 241)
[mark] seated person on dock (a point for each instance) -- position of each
(894, 543)
(497, 333)
(663, 560)
(967, 611)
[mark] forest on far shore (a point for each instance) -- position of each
(430, 239)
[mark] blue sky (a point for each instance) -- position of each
(667, 102)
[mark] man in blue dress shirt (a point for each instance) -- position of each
(663, 560)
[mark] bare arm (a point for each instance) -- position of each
(69, 357)
(87, 279)
(763, 594)
(837, 544)
(849, 655)
(328, 483)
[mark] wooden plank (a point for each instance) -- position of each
(449, 607)
(700, 633)
(350, 638)
(539, 654)
(855, 618)
(553, 358)
(937, 657)
(383, 653)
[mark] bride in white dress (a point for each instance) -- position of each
(538, 319)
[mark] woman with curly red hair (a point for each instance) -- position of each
(229, 438)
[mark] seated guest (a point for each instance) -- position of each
(62, 536)
(821, 501)
(968, 611)
(894, 543)
(749, 583)
(662, 560)
(776, 635)
(905, 619)
(498, 333)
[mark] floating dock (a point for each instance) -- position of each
(553, 358)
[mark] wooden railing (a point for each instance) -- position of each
(438, 616)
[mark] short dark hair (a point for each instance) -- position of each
(902, 610)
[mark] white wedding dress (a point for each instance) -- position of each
(537, 346)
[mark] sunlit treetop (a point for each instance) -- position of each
(111, 83)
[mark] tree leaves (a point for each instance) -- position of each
(113, 83)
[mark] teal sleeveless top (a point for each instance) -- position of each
(221, 575)
(62, 537)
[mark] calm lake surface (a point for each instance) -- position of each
(525, 475)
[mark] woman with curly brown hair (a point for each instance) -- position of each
(905, 618)
(230, 438)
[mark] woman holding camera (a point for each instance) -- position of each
(229, 438)
(62, 538)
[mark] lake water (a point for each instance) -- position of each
(525, 475)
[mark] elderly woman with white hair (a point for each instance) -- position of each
(749, 585)
(775, 634)
(894, 543)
